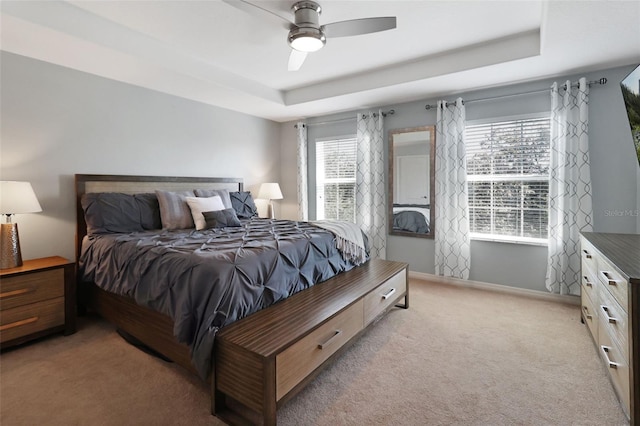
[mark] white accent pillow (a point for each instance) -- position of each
(198, 205)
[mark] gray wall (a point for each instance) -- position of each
(57, 122)
(614, 172)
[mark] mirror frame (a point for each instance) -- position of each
(432, 162)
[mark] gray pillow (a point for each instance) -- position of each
(174, 210)
(221, 218)
(223, 193)
(114, 212)
(243, 204)
(149, 211)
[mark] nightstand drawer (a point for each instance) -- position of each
(24, 320)
(21, 290)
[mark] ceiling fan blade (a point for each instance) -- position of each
(359, 26)
(261, 12)
(296, 59)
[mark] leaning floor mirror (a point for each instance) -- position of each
(411, 181)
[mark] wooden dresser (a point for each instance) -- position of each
(611, 310)
(266, 358)
(36, 299)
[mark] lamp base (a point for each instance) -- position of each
(272, 213)
(10, 256)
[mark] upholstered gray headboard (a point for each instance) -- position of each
(130, 184)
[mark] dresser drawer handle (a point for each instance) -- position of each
(587, 282)
(18, 323)
(607, 276)
(611, 319)
(587, 315)
(605, 350)
(388, 294)
(586, 254)
(18, 292)
(330, 340)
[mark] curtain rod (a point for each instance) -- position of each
(564, 86)
(337, 120)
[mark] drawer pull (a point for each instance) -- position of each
(18, 323)
(389, 294)
(587, 315)
(587, 282)
(18, 292)
(611, 319)
(607, 276)
(330, 340)
(605, 351)
(586, 254)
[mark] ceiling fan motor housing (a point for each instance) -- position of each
(307, 35)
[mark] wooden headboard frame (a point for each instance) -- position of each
(131, 184)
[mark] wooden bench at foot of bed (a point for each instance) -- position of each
(263, 360)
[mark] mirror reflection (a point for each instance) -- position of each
(411, 181)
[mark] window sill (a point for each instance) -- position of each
(510, 240)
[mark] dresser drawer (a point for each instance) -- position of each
(613, 282)
(615, 320)
(304, 356)
(21, 290)
(616, 365)
(589, 256)
(590, 314)
(27, 319)
(384, 296)
(590, 284)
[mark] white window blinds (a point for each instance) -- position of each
(508, 177)
(336, 179)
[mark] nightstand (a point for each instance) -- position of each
(36, 299)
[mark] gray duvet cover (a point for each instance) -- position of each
(207, 279)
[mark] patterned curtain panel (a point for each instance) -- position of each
(570, 210)
(370, 188)
(452, 244)
(303, 190)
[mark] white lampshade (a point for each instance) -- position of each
(18, 197)
(270, 191)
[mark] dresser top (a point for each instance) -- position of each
(623, 250)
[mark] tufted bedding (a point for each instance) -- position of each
(207, 279)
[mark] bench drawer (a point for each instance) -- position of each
(299, 360)
(384, 296)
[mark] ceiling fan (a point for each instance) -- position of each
(305, 32)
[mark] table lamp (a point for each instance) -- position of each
(15, 197)
(270, 191)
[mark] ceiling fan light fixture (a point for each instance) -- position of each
(306, 39)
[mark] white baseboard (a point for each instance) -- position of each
(571, 300)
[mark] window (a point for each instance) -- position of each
(508, 177)
(336, 179)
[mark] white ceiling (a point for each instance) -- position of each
(214, 53)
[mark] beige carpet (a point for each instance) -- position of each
(458, 357)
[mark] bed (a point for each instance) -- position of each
(412, 218)
(137, 278)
